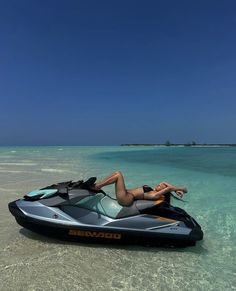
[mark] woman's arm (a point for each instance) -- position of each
(155, 195)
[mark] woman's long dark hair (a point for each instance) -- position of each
(169, 195)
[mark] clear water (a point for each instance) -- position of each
(32, 262)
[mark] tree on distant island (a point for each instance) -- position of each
(189, 144)
(167, 143)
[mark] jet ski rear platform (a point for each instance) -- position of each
(81, 215)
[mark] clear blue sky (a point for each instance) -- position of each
(111, 72)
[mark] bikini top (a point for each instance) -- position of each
(147, 188)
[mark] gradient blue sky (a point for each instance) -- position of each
(111, 72)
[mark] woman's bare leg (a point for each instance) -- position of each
(123, 196)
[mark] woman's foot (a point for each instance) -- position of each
(91, 185)
(96, 187)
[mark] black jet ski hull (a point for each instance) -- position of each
(103, 234)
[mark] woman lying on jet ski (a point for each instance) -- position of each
(125, 197)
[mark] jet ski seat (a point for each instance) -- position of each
(109, 207)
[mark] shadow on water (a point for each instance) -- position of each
(197, 249)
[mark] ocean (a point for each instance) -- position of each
(30, 261)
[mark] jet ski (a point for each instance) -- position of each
(73, 211)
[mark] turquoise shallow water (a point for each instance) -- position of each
(32, 262)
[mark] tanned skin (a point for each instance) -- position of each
(125, 197)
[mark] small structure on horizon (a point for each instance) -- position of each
(167, 143)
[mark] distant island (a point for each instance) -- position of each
(190, 144)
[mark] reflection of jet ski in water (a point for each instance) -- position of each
(71, 211)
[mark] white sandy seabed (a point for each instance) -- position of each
(32, 262)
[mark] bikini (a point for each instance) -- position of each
(147, 188)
